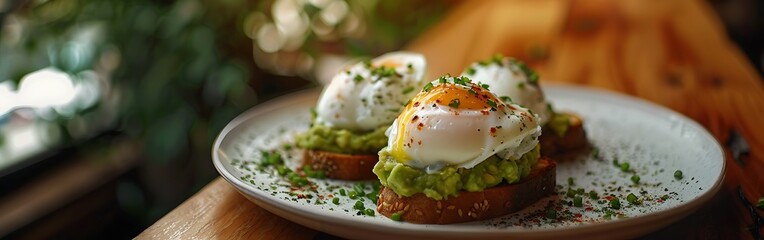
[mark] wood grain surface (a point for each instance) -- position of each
(673, 53)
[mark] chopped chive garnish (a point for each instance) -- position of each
(396, 217)
(336, 201)
(593, 194)
(358, 78)
(521, 85)
(678, 175)
(359, 188)
(454, 103)
(491, 103)
(632, 199)
(635, 179)
(427, 87)
(615, 162)
(472, 92)
(664, 197)
(352, 194)
(485, 86)
(506, 99)
(571, 181)
(442, 80)
(570, 193)
(342, 192)
(625, 167)
(369, 212)
(359, 205)
(551, 213)
(578, 202)
(409, 66)
(615, 203)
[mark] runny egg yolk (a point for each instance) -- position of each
(455, 97)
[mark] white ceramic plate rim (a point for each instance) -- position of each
(339, 223)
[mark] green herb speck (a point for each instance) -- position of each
(427, 87)
(678, 175)
(551, 213)
(369, 212)
(454, 103)
(578, 202)
(625, 167)
(615, 203)
(491, 103)
(359, 205)
(635, 179)
(632, 199)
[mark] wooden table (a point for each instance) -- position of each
(673, 53)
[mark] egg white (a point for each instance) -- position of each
(506, 78)
(358, 100)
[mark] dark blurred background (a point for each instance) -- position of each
(108, 108)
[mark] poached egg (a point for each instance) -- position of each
(511, 80)
(370, 94)
(455, 122)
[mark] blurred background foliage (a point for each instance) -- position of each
(169, 75)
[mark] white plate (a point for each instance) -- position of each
(655, 142)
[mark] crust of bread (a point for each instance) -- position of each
(472, 206)
(574, 139)
(341, 166)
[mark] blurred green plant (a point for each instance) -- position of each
(181, 70)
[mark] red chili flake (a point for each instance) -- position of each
(416, 104)
(415, 118)
(420, 126)
(588, 209)
(493, 131)
(330, 195)
(578, 215)
(420, 142)
(321, 197)
(484, 112)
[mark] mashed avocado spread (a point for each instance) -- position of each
(321, 137)
(407, 181)
(559, 124)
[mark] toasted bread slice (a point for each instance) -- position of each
(574, 138)
(471, 206)
(341, 166)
